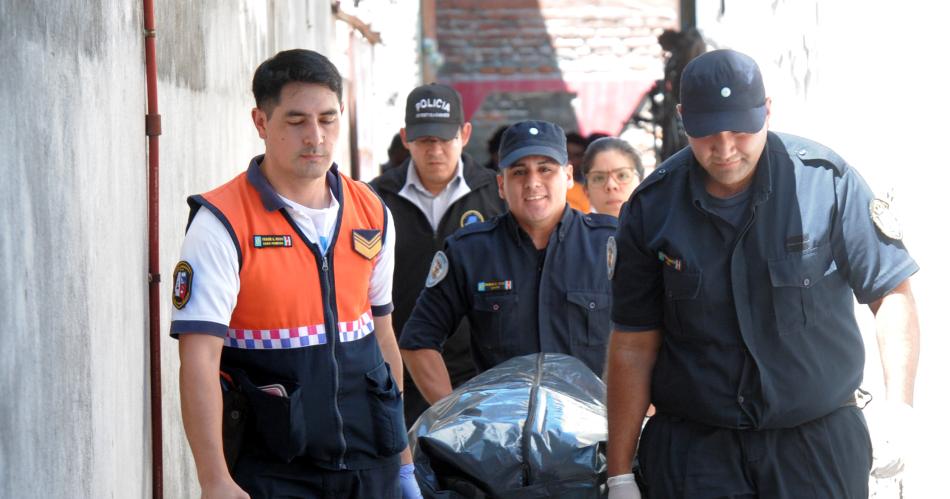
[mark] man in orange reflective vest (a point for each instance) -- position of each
(288, 278)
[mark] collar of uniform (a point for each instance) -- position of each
(412, 178)
(269, 197)
(520, 236)
(761, 180)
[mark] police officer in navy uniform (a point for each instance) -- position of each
(285, 288)
(534, 279)
(436, 191)
(738, 261)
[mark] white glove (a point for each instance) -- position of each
(623, 487)
(891, 424)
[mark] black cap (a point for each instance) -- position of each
(532, 138)
(722, 91)
(433, 110)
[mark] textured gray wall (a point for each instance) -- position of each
(74, 403)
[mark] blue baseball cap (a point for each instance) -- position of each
(722, 91)
(532, 138)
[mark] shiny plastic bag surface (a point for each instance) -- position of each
(533, 426)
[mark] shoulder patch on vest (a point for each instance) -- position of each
(181, 287)
(471, 217)
(367, 242)
(438, 270)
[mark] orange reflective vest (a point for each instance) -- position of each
(304, 321)
(277, 305)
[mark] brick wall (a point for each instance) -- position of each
(593, 59)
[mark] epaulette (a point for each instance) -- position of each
(673, 163)
(599, 220)
(812, 153)
(476, 228)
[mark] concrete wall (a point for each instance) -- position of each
(865, 79)
(74, 390)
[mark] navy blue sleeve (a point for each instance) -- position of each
(637, 280)
(874, 263)
(439, 309)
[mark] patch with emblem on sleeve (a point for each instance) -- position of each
(885, 220)
(181, 290)
(438, 270)
(367, 242)
(471, 217)
(611, 257)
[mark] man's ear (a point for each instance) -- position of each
(501, 183)
(465, 133)
(260, 121)
(569, 170)
(402, 135)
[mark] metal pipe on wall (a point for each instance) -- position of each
(153, 128)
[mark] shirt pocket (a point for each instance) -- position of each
(589, 317)
(796, 284)
(683, 313)
(495, 321)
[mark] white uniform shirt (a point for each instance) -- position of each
(434, 206)
(210, 251)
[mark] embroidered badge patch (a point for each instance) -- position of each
(367, 242)
(611, 256)
(486, 286)
(276, 241)
(181, 290)
(438, 270)
(471, 217)
(885, 220)
(676, 263)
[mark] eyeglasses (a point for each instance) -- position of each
(622, 176)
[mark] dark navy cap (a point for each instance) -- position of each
(722, 91)
(433, 110)
(532, 138)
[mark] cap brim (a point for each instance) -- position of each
(551, 152)
(744, 121)
(444, 131)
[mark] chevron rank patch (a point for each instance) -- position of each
(367, 242)
(181, 290)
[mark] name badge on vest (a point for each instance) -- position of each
(268, 241)
(367, 242)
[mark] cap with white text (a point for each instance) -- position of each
(433, 110)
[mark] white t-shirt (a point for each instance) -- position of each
(210, 251)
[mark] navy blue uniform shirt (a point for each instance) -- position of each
(519, 299)
(757, 320)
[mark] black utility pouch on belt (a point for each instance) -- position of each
(235, 419)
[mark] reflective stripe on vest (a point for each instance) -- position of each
(303, 336)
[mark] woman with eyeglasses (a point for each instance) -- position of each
(612, 170)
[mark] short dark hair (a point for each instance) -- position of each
(296, 65)
(604, 144)
(575, 138)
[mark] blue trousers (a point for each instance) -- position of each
(266, 479)
(829, 457)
